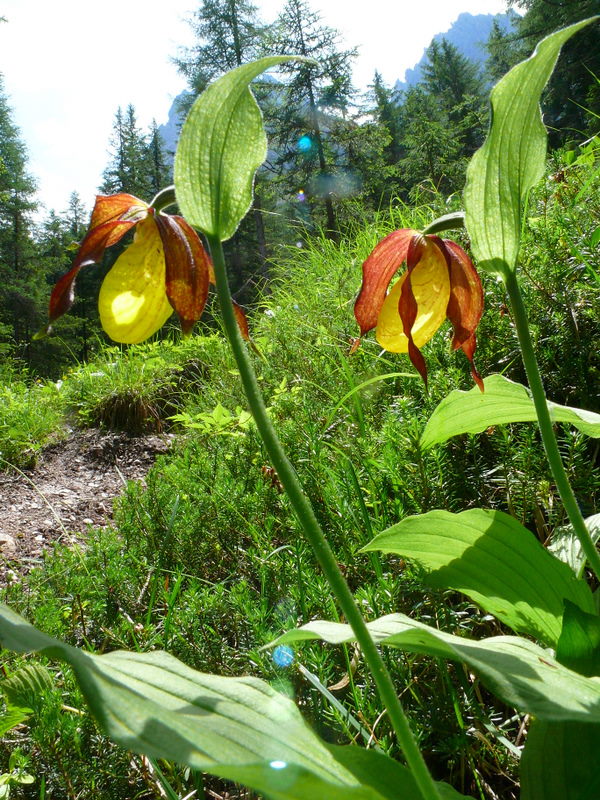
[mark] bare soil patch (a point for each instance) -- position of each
(72, 486)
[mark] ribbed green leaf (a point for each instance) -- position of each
(503, 401)
(560, 761)
(518, 671)
(27, 686)
(495, 561)
(512, 159)
(237, 728)
(565, 544)
(221, 146)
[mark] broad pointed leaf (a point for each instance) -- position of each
(221, 146)
(502, 402)
(518, 671)
(512, 159)
(560, 761)
(388, 777)
(238, 728)
(495, 561)
(579, 644)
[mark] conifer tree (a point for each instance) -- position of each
(76, 217)
(432, 150)
(387, 112)
(450, 75)
(159, 170)
(128, 166)
(20, 283)
(458, 87)
(503, 52)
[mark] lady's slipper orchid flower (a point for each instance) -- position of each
(166, 268)
(440, 282)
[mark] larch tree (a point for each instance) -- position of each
(227, 34)
(313, 94)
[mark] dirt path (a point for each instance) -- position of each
(72, 486)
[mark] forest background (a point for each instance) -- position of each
(332, 157)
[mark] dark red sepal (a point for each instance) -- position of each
(187, 268)
(112, 207)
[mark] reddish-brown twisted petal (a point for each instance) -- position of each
(239, 312)
(468, 349)
(187, 268)
(465, 306)
(378, 270)
(242, 321)
(407, 304)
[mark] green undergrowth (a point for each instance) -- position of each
(31, 417)
(136, 389)
(205, 558)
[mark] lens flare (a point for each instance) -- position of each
(283, 656)
(305, 144)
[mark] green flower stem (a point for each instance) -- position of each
(304, 511)
(164, 199)
(545, 424)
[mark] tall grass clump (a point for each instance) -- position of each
(137, 389)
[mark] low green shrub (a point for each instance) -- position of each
(31, 416)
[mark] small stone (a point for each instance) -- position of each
(8, 546)
(88, 521)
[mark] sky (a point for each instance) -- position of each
(69, 64)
